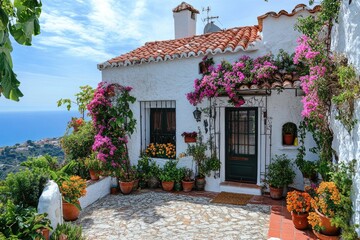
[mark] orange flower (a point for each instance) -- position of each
(73, 188)
(298, 202)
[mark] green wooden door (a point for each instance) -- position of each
(241, 144)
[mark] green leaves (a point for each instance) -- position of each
(9, 85)
(24, 24)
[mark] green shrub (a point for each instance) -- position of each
(25, 187)
(280, 172)
(78, 144)
(17, 222)
(169, 171)
(44, 162)
(67, 231)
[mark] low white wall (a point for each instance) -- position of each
(95, 191)
(50, 202)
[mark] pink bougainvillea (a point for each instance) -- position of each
(225, 79)
(113, 122)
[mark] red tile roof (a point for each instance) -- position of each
(230, 40)
(185, 6)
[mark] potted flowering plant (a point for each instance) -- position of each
(126, 177)
(94, 166)
(161, 150)
(189, 137)
(75, 123)
(298, 203)
(325, 202)
(72, 189)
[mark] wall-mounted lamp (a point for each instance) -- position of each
(197, 115)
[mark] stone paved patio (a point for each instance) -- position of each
(160, 215)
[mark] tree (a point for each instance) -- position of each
(83, 98)
(20, 19)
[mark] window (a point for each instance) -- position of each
(289, 134)
(157, 123)
(162, 125)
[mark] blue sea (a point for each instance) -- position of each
(18, 127)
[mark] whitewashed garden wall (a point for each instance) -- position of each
(346, 40)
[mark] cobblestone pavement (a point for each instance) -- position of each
(157, 215)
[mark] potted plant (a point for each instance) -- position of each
(289, 131)
(279, 175)
(325, 203)
(189, 137)
(168, 175)
(178, 178)
(126, 178)
(298, 203)
(153, 175)
(94, 166)
(188, 180)
(198, 152)
(72, 189)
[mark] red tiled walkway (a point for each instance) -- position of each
(281, 226)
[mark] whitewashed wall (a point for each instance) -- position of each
(171, 80)
(346, 40)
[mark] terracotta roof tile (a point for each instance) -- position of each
(227, 40)
(185, 6)
(233, 40)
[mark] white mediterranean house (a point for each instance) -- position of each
(246, 138)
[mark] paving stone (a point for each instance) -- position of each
(157, 215)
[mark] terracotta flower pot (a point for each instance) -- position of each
(126, 187)
(200, 184)
(300, 220)
(70, 211)
(288, 139)
(45, 232)
(326, 223)
(189, 139)
(325, 237)
(276, 193)
(167, 186)
(187, 186)
(94, 175)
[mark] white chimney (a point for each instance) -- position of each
(185, 20)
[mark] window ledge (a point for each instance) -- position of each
(290, 147)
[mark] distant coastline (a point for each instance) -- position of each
(12, 156)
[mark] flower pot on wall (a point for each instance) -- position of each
(126, 187)
(189, 139)
(70, 211)
(276, 193)
(288, 139)
(94, 175)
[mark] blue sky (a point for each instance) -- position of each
(78, 34)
